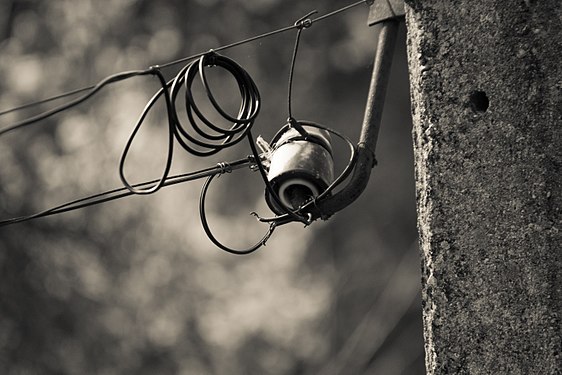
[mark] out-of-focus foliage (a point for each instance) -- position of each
(134, 286)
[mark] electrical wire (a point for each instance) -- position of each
(212, 237)
(122, 192)
(43, 101)
(202, 137)
(94, 89)
(214, 138)
(176, 62)
(211, 140)
(301, 214)
(208, 143)
(301, 24)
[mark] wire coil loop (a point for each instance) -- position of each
(211, 137)
(202, 137)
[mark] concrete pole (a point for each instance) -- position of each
(486, 89)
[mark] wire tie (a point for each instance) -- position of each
(224, 167)
(211, 55)
(253, 166)
(305, 22)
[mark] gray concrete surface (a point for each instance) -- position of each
(486, 101)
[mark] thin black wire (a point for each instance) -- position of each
(178, 61)
(43, 101)
(248, 111)
(301, 24)
(212, 237)
(340, 10)
(108, 80)
(299, 214)
(214, 138)
(231, 45)
(289, 215)
(168, 165)
(122, 192)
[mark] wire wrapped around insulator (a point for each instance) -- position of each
(303, 214)
(205, 137)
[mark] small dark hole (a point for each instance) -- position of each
(479, 101)
(297, 195)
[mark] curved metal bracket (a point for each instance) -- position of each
(389, 21)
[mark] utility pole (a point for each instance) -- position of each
(486, 88)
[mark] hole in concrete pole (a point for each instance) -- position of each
(479, 101)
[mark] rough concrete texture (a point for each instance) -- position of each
(486, 90)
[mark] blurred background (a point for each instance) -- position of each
(134, 286)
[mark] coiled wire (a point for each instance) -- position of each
(200, 136)
(219, 137)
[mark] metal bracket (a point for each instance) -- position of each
(385, 10)
(388, 13)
